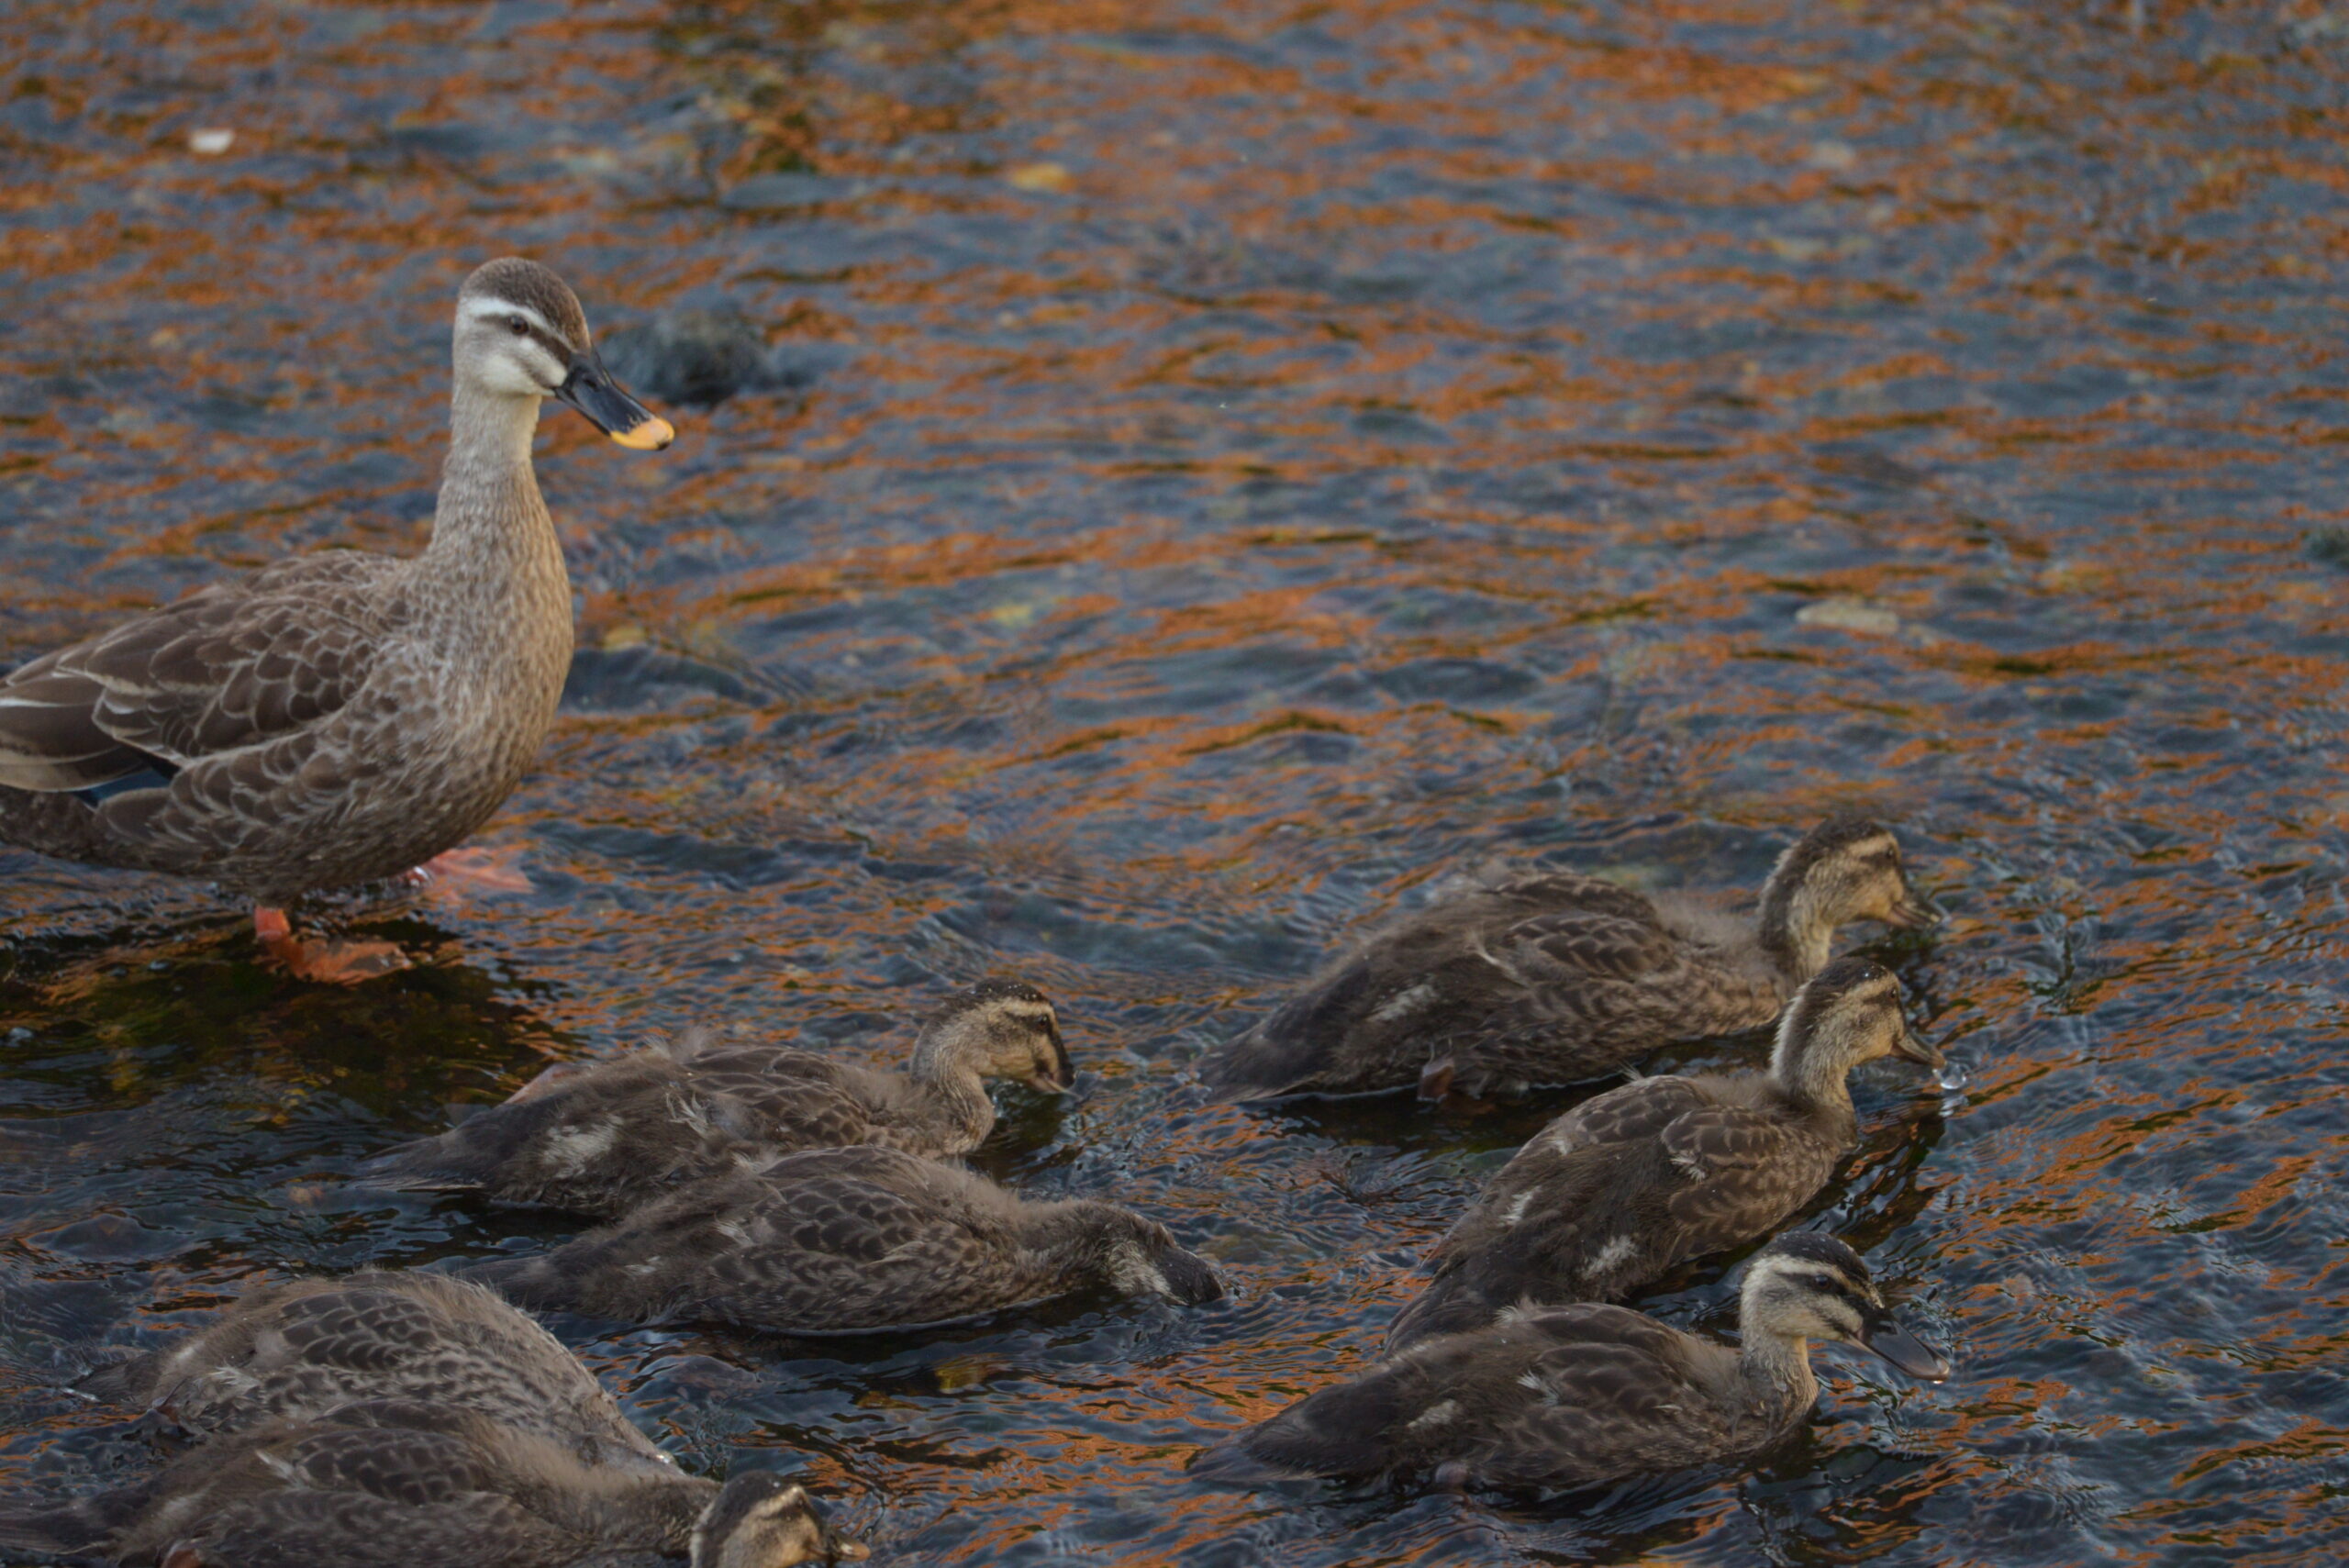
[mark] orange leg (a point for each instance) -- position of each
(330, 963)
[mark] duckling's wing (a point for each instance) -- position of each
(1551, 1169)
(1563, 944)
(1737, 1171)
(399, 1464)
(358, 1530)
(225, 669)
(801, 1100)
(596, 1139)
(1614, 1397)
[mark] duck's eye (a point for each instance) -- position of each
(521, 328)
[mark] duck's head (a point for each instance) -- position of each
(1848, 1013)
(520, 333)
(759, 1520)
(1142, 1259)
(1845, 869)
(999, 1029)
(1807, 1285)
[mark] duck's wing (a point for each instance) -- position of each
(358, 1530)
(1736, 1172)
(1613, 1397)
(597, 1139)
(225, 669)
(799, 1099)
(1551, 1169)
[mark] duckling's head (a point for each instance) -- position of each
(1142, 1259)
(1845, 869)
(1846, 1014)
(998, 1029)
(520, 333)
(759, 1520)
(1807, 1285)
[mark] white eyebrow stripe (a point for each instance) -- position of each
(481, 310)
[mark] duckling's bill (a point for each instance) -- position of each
(1905, 1351)
(609, 407)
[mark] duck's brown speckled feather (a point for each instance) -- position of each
(1540, 979)
(300, 1348)
(1563, 1397)
(838, 1241)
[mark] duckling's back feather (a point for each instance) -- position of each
(610, 1137)
(1562, 1397)
(1538, 979)
(1619, 1190)
(839, 1241)
(302, 1348)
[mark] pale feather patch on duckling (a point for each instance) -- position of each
(704, 1105)
(1633, 1182)
(1517, 980)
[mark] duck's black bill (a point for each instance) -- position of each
(591, 389)
(1062, 1076)
(1915, 1048)
(1905, 1351)
(1912, 914)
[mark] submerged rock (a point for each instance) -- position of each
(702, 356)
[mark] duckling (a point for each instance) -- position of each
(418, 1486)
(1584, 1394)
(295, 1350)
(845, 1241)
(1628, 1184)
(339, 717)
(608, 1138)
(1553, 978)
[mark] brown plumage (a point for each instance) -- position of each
(604, 1139)
(1563, 1397)
(296, 1349)
(339, 717)
(402, 1483)
(848, 1241)
(1629, 1182)
(1556, 978)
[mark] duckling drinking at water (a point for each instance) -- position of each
(1628, 1184)
(849, 1240)
(396, 1483)
(1579, 1396)
(296, 1349)
(1550, 979)
(608, 1138)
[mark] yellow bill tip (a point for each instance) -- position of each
(648, 436)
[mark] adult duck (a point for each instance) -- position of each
(1550, 979)
(339, 717)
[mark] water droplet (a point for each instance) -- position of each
(1952, 1075)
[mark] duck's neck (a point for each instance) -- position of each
(1817, 1080)
(492, 526)
(1776, 1372)
(1797, 934)
(1076, 1234)
(955, 1095)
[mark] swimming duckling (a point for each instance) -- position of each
(608, 1138)
(336, 718)
(295, 1350)
(413, 1486)
(1584, 1394)
(1618, 1190)
(1555, 978)
(849, 1240)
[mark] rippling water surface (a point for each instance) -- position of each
(1235, 463)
